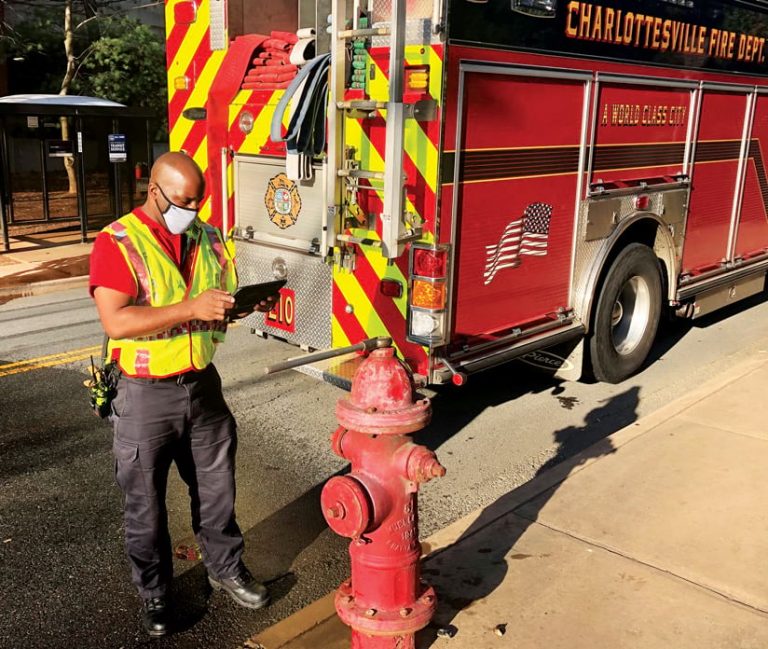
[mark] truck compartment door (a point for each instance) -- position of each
(515, 185)
(752, 233)
(714, 180)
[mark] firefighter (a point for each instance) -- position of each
(162, 281)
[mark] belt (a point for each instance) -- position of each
(178, 379)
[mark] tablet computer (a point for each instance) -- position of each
(248, 297)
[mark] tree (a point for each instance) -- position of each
(126, 64)
(89, 47)
(66, 82)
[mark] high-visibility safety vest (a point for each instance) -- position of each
(189, 345)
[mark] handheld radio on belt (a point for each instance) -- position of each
(102, 385)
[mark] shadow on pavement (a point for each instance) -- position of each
(672, 330)
(458, 585)
(60, 509)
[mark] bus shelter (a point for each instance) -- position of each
(70, 161)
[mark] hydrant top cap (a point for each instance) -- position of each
(382, 383)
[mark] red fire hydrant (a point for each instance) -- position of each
(385, 602)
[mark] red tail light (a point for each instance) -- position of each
(429, 263)
(428, 294)
(391, 288)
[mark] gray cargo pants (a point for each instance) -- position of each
(186, 421)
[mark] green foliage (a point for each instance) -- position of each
(118, 58)
(126, 64)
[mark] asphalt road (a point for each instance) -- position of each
(63, 578)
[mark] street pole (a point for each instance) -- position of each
(5, 186)
(118, 189)
(82, 206)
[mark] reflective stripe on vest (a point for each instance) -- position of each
(188, 345)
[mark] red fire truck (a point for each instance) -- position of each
(484, 178)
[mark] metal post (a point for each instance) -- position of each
(82, 205)
(150, 152)
(43, 170)
(118, 188)
(392, 214)
(224, 193)
(5, 194)
(334, 193)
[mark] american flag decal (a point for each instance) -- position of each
(524, 236)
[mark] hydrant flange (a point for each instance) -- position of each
(404, 621)
(378, 422)
(381, 401)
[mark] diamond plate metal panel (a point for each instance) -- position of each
(418, 26)
(587, 252)
(310, 279)
(218, 26)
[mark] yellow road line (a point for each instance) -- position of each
(51, 360)
(48, 361)
(31, 361)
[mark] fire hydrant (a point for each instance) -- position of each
(385, 602)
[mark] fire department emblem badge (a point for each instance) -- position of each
(283, 201)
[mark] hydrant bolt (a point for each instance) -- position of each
(335, 512)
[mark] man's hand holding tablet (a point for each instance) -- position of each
(255, 297)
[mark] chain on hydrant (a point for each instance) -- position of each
(385, 602)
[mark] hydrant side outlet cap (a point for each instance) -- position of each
(346, 506)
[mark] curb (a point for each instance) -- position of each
(322, 610)
(45, 286)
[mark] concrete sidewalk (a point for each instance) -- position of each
(654, 538)
(44, 262)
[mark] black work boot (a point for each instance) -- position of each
(243, 588)
(154, 616)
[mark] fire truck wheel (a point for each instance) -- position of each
(627, 314)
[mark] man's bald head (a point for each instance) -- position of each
(173, 166)
(175, 178)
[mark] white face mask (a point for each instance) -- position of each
(177, 218)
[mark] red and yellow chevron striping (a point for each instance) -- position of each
(360, 310)
(372, 313)
(193, 66)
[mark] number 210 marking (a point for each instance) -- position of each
(283, 316)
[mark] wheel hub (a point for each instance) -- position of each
(617, 313)
(630, 315)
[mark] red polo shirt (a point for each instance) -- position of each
(110, 269)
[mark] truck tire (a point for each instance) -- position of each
(627, 314)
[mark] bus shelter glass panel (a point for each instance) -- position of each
(24, 169)
(99, 187)
(58, 162)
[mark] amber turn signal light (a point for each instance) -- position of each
(428, 295)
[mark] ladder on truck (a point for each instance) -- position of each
(342, 174)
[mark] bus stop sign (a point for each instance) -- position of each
(117, 147)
